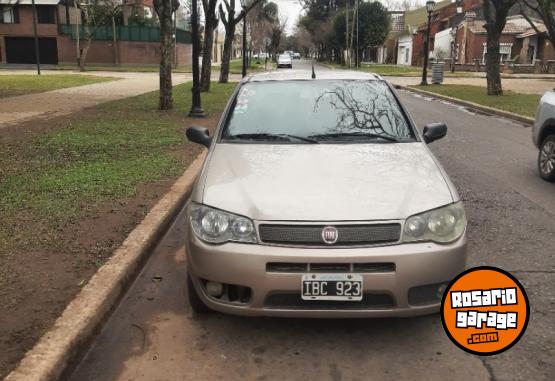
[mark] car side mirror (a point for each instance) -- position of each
(434, 131)
(199, 135)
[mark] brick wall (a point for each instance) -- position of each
(473, 48)
(25, 26)
(100, 52)
(130, 52)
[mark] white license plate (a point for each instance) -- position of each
(331, 287)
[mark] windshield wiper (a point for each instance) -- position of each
(355, 134)
(268, 136)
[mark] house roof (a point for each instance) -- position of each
(514, 25)
(29, 2)
(532, 32)
(418, 16)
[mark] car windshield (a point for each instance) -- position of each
(321, 111)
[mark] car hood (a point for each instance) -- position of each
(325, 182)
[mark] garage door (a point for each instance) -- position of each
(21, 50)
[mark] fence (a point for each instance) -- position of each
(124, 33)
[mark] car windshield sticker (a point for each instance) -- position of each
(242, 104)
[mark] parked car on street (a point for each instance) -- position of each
(543, 135)
(284, 60)
(320, 198)
(260, 56)
(296, 56)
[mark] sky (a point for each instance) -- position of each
(291, 10)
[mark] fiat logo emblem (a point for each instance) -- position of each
(330, 235)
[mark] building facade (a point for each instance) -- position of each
(59, 28)
(458, 34)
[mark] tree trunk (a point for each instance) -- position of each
(493, 65)
(495, 14)
(88, 37)
(207, 49)
(83, 54)
(228, 44)
(166, 99)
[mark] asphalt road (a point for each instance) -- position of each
(511, 212)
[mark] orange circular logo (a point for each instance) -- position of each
(485, 310)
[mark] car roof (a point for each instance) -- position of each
(329, 74)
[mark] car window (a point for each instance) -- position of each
(322, 110)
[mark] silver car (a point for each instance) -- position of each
(543, 135)
(326, 203)
(284, 60)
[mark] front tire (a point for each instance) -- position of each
(546, 159)
(196, 303)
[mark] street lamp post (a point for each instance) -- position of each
(37, 51)
(196, 108)
(430, 8)
(244, 50)
(458, 4)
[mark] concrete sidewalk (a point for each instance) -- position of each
(65, 101)
(520, 85)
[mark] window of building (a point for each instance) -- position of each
(505, 49)
(8, 14)
(46, 14)
(147, 12)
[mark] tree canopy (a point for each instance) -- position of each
(325, 22)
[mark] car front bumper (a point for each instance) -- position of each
(415, 264)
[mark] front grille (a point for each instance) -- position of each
(294, 301)
(348, 235)
(367, 267)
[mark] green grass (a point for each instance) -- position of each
(11, 85)
(104, 155)
(236, 66)
(522, 104)
(398, 70)
(393, 70)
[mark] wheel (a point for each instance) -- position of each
(546, 159)
(197, 305)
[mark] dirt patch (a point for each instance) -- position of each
(44, 270)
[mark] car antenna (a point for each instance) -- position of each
(313, 73)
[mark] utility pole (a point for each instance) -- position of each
(196, 109)
(37, 53)
(347, 55)
(77, 27)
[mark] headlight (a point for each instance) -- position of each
(216, 226)
(440, 225)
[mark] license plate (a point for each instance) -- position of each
(331, 287)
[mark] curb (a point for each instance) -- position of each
(83, 317)
(472, 105)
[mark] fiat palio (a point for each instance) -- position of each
(320, 198)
